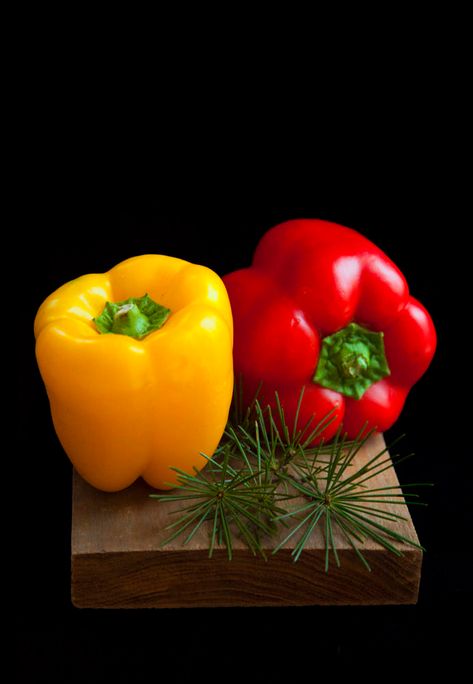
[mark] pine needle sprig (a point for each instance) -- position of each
(344, 503)
(230, 499)
(263, 465)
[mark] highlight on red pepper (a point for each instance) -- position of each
(323, 309)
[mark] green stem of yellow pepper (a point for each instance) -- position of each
(135, 317)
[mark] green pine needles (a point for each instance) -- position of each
(265, 482)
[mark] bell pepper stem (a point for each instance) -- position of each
(352, 360)
(135, 317)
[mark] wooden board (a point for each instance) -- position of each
(117, 561)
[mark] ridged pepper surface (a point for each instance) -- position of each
(321, 307)
(138, 383)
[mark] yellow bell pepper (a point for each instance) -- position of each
(125, 406)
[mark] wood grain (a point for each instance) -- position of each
(117, 561)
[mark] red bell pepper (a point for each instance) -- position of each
(323, 308)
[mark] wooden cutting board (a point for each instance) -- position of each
(117, 561)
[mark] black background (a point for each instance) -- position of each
(83, 228)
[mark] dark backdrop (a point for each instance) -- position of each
(80, 230)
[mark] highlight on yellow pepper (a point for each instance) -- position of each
(137, 364)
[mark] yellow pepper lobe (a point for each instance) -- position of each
(125, 406)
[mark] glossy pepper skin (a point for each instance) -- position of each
(309, 280)
(125, 407)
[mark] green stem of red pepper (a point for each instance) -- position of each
(351, 361)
